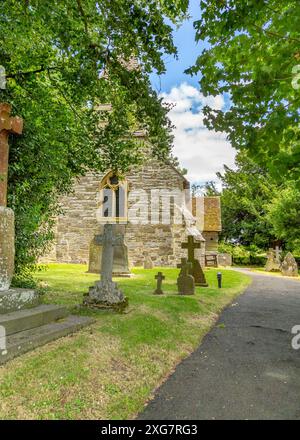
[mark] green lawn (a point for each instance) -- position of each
(111, 369)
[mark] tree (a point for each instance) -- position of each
(207, 189)
(284, 215)
(254, 58)
(247, 192)
(61, 61)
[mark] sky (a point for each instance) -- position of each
(201, 151)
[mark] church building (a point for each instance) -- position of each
(154, 212)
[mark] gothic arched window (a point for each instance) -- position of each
(113, 198)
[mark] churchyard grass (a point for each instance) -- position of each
(110, 370)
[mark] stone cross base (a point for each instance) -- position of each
(18, 299)
(105, 294)
(7, 247)
(289, 267)
(272, 266)
(158, 291)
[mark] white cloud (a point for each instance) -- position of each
(201, 151)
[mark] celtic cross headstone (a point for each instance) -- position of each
(195, 269)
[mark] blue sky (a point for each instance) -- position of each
(201, 151)
(188, 50)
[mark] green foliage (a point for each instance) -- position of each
(208, 189)
(253, 57)
(244, 255)
(256, 211)
(61, 60)
(247, 190)
(284, 215)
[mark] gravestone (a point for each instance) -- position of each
(159, 277)
(148, 263)
(10, 299)
(7, 247)
(289, 267)
(195, 269)
(120, 261)
(105, 293)
(185, 281)
(25, 323)
(224, 260)
(273, 261)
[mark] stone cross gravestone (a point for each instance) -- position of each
(159, 277)
(185, 281)
(120, 264)
(25, 323)
(289, 267)
(105, 293)
(195, 269)
(273, 261)
(10, 299)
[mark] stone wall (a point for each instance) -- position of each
(7, 247)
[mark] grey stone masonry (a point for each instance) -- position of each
(18, 299)
(78, 224)
(7, 247)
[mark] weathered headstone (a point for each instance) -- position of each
(120, 263)
(273, 262)
(105, 293)
(224, 260)
(148, 263)
(159, 277)
(289, 267)
(7, 247)
(195, 269)
(185, 281)
(10, 299)
(8, 125)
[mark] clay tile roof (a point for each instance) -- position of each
(212, 218)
